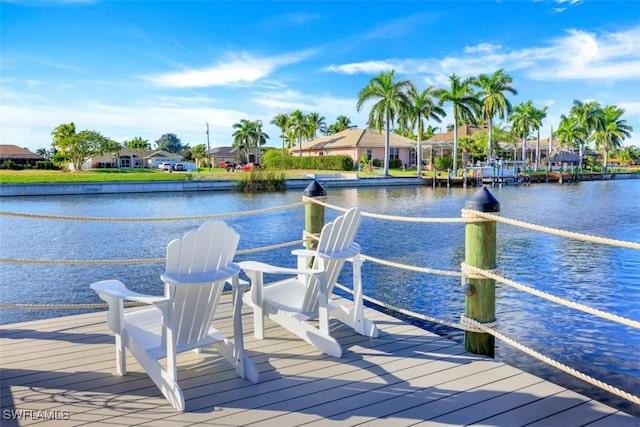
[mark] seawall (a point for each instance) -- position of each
(50, 189)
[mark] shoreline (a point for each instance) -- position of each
(120, 187)
(124, 187)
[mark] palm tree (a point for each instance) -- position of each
(392, 101)
(468, 145)
(610, 131)
(43, 152)
(138, 144)
(465, 106)
(493, 99)
(281, 121)
(298, 125)
(342, 123)
(259, 138)
(422, 108)
(522, 121)
(244, 136)
(538, 116)
(570, 132)
(586, 115)
(315, 123)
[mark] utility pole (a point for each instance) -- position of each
(208, 149)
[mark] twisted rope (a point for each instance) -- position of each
(391, 217)
(468, 324)
(412, 267)
(157, 219)
(555, 231)
(488, 274)
(611, 389)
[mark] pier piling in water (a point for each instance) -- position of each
(480, 252)
(313, 213)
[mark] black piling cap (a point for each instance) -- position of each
(483, 201)
(315, 190)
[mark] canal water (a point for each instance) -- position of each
(603, 277)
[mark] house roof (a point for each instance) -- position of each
(145, 154)
(354, 137)
(224, 151)
(15, 152)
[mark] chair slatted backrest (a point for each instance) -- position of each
(336, 237)
(210, 248)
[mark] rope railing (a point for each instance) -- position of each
(134, 260)
(151, 219)
(467, 271)
(555, 231)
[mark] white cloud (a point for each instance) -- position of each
(586, 56)
(31, 125)
(241, 68)
(482, 48)
(579, 55)
(367, 67)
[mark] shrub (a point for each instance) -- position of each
(10, 164)
(276, 160)
(260, 181)
(443, 163)
(376, 163)
(395, 163)
(45, 164)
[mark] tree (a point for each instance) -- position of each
(281, 121)
(315, 123)
(139, 144)
(586, 116)
(422, 108)
(570, 132)
(610, 131)
(298, 126)
(169, 142)
(392, 101)
(244, 136)
(111, 147)
(77, 147)
(198, 153)
(538, 116)
(43, 152)
(465, 106)
(522, 121)
(469, 147)
(342, 123)
(493, 99)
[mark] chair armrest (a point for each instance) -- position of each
(272, 269)
(116, 289)
(304, 252)
(205, 278)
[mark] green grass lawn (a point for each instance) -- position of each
(109, 175)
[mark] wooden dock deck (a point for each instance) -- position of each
(61, 372)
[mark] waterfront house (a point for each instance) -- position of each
(225, 154)
(18, 155)
(132, 158)
(355, 142)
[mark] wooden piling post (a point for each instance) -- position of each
(480, 251)
(314, 213)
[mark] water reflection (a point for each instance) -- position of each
(602, 277)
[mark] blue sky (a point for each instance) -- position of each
(146, 68)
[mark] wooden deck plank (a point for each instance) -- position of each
(406, 376)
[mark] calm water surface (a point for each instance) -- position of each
(602, 277)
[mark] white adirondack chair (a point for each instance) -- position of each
(197, 267)
(294, 301)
